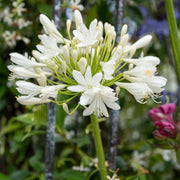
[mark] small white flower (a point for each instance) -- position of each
(87, 37)
(22, 73)
(99, 98)
(108, 69)
(50, 29)
(114, 177)
(49, 47)
(19, 8)
(31, 90)
(144, 60)
(75, 4)
(155, 83)
(140, 91)
(29, 100)
(23, 61)
(142, 70)
(86, 82)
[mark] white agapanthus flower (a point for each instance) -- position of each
(98, 98)
(86, 65)
(87, 37)
(38, 94)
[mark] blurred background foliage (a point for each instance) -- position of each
(23, 129)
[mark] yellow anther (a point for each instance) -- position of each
(148, 73)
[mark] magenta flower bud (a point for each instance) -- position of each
(166, 129)
(163, 112)
(158, 135)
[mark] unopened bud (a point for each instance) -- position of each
(42, 79)
(65, 107)
(132, 52)
(131, 66)
(64, 66)
(66, 53)
(124, 40)
(37, 55)
(124, 30)
(74, 56)
(144, 41)
(158, 135)
(68, 25)
(82, 64)
(117, 91)
(78, 18)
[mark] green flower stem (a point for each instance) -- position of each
(99, 147)
(173, 34)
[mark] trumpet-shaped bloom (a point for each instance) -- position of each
(98, 98)
(24, 61)
(143, 60)
(87, 37)
(49, 47)
(86, 82)
(31, 90)
(140, 91)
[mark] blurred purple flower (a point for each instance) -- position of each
(173, 97)
(156, 24)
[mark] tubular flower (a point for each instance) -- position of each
(86, 64)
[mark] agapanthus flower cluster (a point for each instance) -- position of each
(85, 64)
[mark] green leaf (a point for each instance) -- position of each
(45, 9)
(81, 141)
(178, 156)
(4, 177)
(19, 175)
(10, 128)
(34, 132)
(40, 114)
(134, 13)
(70, 174)
(38, 117)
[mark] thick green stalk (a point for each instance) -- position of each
(173, 34)
(99, 147)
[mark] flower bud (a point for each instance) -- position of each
(82, 64)
(64, 66)
(74, 56)
(78, 19)
(65, 107)
(166, 128)
(117, 91)
(38, 55)
(144, 41)
(66, 53)
(124, 30)
(68, 25)
(158, 135)
(124, 40)
(131, 66)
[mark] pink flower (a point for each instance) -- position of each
(163, 112)
(166, 129)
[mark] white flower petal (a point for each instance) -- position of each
(76, 88)
(79, 77)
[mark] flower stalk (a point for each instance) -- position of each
(173, 34)
(98, 145)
